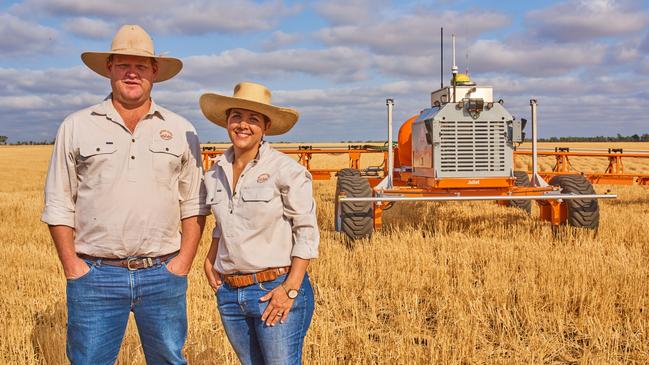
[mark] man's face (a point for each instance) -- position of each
(131, 78)
(246, 128)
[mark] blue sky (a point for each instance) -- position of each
(336, 61)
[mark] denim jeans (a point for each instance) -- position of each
(254, 341)
(99, 304)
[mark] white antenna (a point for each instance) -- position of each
(467, 62)
(454, 68)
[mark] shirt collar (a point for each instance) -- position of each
(264, 147)
(228, 155)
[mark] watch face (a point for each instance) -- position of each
(292, 293)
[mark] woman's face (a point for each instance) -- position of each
(246, 128)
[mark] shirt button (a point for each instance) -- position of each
(98, 149)
(133, 140)
(166, 148)
(132, 157)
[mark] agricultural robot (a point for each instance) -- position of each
(461, 148)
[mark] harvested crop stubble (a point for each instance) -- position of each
(442, 283)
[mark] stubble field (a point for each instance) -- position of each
(470, 283)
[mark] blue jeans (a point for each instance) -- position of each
(99, 304)
(254, 341)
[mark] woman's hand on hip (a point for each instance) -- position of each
(213, 277)
(279, 304)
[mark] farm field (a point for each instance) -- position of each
(456, 283)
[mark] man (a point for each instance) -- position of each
(124, 175)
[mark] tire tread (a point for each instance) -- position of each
(582, 213)
(356, 217)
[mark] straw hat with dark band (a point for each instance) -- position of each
(250, 96)
(132, 40)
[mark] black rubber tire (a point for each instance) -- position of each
(582, 213)
(356, 219)
(348, 172)
(522, 179)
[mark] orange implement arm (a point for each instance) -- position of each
(613, 173)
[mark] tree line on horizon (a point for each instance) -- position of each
(618, 138)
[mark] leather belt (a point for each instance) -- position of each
(241, 280)
(131, 263)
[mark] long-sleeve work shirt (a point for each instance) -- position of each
(124, 193)
(268, 218)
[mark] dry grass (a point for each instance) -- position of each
(442, 283)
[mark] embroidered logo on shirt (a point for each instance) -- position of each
(166, 135)
(262, 178)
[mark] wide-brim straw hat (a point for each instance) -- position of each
(132, 40)
(250, 96)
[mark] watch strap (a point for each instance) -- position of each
(291, 293)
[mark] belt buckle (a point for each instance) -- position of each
(128, 263)
(147, 261)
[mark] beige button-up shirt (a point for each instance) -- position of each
(124, 194)
(268, 218)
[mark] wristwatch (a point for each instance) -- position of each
(292, 293)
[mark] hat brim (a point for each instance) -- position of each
(168, 67)
(215, 106)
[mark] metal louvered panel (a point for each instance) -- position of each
(472, 146)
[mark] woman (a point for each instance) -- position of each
(266, 230)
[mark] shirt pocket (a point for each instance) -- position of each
(97, 163)
(257, 195)
(257, 206)
(167, 160)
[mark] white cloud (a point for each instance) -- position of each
(97, 8)
(410, 66)
(90, 28)
(577, 105)
(55, 81)
(206, 16)
(589, 86)
(626, 54)
(339, 64)
(281, 39)
(643, 67)
(24, 102)
(19, 37)
(495, 56)
(35, 104)
(578, 20)
(644, 46)
(534, 59)
(170, 17)
(413, 34)
(350, 12)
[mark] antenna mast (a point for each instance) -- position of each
(441, 58)
(454, 69)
